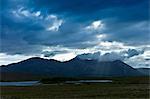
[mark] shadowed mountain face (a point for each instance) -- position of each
(145, 71)
(73, 68)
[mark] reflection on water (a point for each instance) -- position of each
(31, 83)
(90, 81)
(20, 83)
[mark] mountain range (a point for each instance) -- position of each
(39, 67)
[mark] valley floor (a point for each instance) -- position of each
(83, 91)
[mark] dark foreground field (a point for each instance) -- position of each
(128, 88)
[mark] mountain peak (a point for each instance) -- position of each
(118, 61)
(35, 58)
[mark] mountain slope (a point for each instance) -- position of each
(73, 68)
(145, 71)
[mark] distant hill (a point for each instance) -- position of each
(145, 71)
(73, 68)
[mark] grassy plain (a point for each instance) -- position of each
(121, 88)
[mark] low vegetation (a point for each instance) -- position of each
(121, 88)
(116, 80)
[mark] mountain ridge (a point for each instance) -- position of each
(73, 68)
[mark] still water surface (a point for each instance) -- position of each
(20, 83)
(31, 83)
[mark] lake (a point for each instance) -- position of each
(31, 83)
(90, 81)
(20, 83)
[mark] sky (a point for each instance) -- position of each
(105, 30)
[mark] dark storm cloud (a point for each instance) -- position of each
(80, 7)
(111, 56)
(125, 21)
(133, 52)
(52, 53)
(95, 56)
